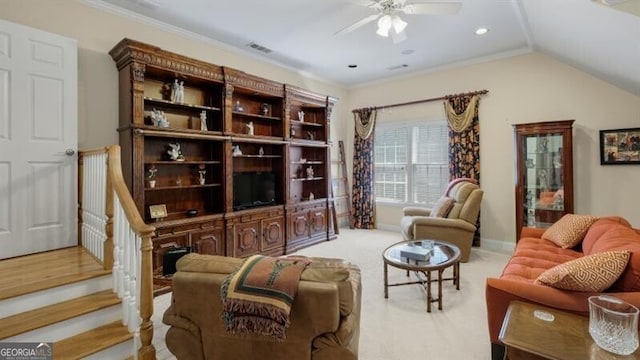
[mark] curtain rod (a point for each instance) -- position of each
(479, 92)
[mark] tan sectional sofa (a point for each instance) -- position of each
(325, 315)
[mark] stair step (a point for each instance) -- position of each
(90, 342)
(47, 270)
(15, 305)
(48, 315)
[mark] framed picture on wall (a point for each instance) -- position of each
(620, 146)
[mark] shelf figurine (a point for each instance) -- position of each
(174, 152)
(177, 91)
(201, 174)
(310, 172)
(310, 135)
(175, 88)
(293, 131)
(179, 181)
(311, 196)
(236, 150)
(203, 121)
(159, 119)
(250, 128)
(261, 151)
(264, 108)
(152, 176)
(237, 107)
(301, 116)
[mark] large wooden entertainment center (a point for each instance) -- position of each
(270, 138)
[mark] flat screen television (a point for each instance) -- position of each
(251, 189)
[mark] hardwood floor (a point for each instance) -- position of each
(26, 274)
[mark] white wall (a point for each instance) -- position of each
(527, 88)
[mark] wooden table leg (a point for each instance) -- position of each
(429, 297)
(456, 270)
(386, 282)
(440, 289)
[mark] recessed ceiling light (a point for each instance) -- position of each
(353, 66)
(407, 52)
(481, 31)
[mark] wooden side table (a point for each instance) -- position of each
(566, 337)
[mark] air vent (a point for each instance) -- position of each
(397, 67)
(259, 48)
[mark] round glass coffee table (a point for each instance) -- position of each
(422, 257)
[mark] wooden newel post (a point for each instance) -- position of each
(147, 351)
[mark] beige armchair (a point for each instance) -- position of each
(457, 227)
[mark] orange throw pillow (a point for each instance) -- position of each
(569, 230)
(442, 207)
(591, 273)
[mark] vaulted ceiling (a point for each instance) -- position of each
(301, 34)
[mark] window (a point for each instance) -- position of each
(411, 162)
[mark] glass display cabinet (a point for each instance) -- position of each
(544, 173)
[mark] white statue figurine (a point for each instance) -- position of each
(180, 97)
(237, 151)
(203, 121)
(250, 128)
(159, 119)
(174, 152)
(175, 87)
(201, 179)
(301, 115)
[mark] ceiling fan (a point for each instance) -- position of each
(388, 16)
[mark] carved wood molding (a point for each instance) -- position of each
(241, 79)
(305, 96)
(127, 51)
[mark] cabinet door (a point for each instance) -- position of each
(543, 179)
(246, 239)
(272, 233)
(209, 242)
(165, 243)
(298, 226)
(318, 221)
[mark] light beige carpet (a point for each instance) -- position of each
(399, 327)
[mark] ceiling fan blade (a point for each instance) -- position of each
(432, 8)
(398, 38)
(358, 24)
(367, 3)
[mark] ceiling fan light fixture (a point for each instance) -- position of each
(398, 24)
(384, 25)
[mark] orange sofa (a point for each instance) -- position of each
(533, 255)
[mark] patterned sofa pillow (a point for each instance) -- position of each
(591, 273)
(569, 230)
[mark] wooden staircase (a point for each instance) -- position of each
(64, 297)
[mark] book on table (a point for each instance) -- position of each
(415, 252)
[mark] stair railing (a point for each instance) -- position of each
(130, 244)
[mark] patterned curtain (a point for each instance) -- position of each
(464, 141)
(363, 195)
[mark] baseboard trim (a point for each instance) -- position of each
(497, 245)
(388, 227)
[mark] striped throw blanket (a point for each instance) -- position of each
(257, 297)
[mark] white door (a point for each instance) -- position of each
(38, 140)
